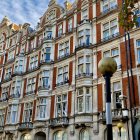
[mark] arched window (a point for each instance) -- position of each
(60, 135)
(84, 135)
(26, 137)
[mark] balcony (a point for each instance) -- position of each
(44, 87)
(33, 68)
(45, 61)
(83, 45)
(117, 114)
(60, 121)
(109, 10)
(30, 92)
(10, 60)
(25, 126)
(110, 37)
(81, 75)
(17, 73)
(4, 99)
(62, 83)
(63, 56)
(84, 21)
(14, 96)
(47, 38)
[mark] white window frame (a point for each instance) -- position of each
(33, 62)
(60, 30)
(27, 109)
(60, 102)
(2, 116)
(31, 84)
(138, 50)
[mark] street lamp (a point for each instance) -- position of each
(107, 66)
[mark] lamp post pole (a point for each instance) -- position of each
(107, 66)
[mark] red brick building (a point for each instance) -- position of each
(50, 86)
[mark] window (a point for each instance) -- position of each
(48, 54)
(70, 25)
(84, 66)
(85, 14)
(116, 133)
(42, 108)
(12, 114)
(137, 12)
(33, 62)
(16, 88)
(60, 135)
(45, 78)
(26, 137)
(60, 30)
(40, 40)
(84, 99)
(109, 4)
(32, 45)
(114, 53)
(31, 84)
(62, 75)
(138, 51)
(84, 135)
(19, 66)
(48, 33)
(28, 112)
(80, 65)
(116, 94)
(5, 91)
(64, 49)
(110, 29)
(8, 73)
(61, 105)
(11, 55)
(84, 37)
(2, 115)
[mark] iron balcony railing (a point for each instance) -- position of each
(60, 121)
(109, 9)
(110, 37)
(17, 73)
(62, 83)
(30, 92)
(44, 87)
(25, 126)
(17, 95)
(84, 75)
(62, 56)
(117, 114)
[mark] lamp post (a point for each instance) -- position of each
(107, 66)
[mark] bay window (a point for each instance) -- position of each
(19, 66)
(45, 78)
(83, 100)
(31, 85)
(28, 107)
(16, 88)
(48, 33)
(60, 30)
(5, 91)
(42, 108)
(61, 105)
(12, 114)
(110, 29)
(2, 116)
(11, 55)
(62, 75)
(116, 93)
(114, 53)
(138, 51)
(108, 4)
(64, 49)
(84, 65)
(33, 62)
(8, 73)
(84, 37)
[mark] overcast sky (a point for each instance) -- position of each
(21, 11)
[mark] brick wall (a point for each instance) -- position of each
(34, 108)
(21, 112)
(54, 78)
(56, 52)
(98, 32)
(70, 72)
(100, 97)
(71, 44)
(69, 102)
(24, 87)
(52, 106)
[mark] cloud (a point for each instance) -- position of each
(21, 11)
